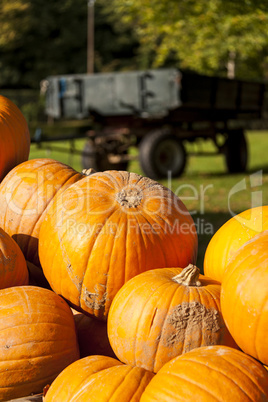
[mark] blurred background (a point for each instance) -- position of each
(219, 38)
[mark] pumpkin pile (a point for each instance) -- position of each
(100, 298)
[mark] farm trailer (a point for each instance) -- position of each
(157, 111)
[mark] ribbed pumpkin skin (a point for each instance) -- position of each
(230, 237)
(92, 336)
(209, 374)
(244, 298)
(153, 319)
(14, 136)
(108, 228)
(99, 379)
(25, 194)
(37, 340)
(13, 267)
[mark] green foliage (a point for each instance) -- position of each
(201, 35)
(40, 38)
(34, 111)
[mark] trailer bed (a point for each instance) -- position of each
(160, 110)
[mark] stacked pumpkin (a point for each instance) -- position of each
(146, 324)
(173, 322)
(119, 249)
(243, 269)
(26, 192)
(37, 330)
(34, 189)
(14, 136)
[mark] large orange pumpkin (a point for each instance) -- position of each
(14, 136)
(99, 379)
(13, 267)
(25, 195)
(37, 340)
(163, 313)
(230, 237)
(244, 297)
(107, 228)
(209, 374)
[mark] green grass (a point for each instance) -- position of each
(206, 188)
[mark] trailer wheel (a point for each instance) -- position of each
(236, 152)
(161, 154)
(96, 158)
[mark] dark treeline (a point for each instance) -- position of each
(219, 37)
(40, 38)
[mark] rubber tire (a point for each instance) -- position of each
(158, 145)
(236, 152)
(91, 158)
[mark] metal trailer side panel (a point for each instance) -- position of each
(152, 92)
(143, 93)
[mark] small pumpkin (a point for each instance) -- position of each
(208, 374)
(14, 136)
(13, 267)
(230, 237)
(99, 379)
(244, 298)
(26, 194)
(37, 340)
(107, 228)
(163, 313)
(92, 336)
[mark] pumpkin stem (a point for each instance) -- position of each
(188, 276)
(88, 172)
(130, 197)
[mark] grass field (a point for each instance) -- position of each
(211, 194)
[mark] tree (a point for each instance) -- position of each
(40, 38)
(203, 35)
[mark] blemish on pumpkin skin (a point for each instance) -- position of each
(187, 321)
(92, 299)
(221, 352)
(9, 261)
(74, 278)
(153, 317)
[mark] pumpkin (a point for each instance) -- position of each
(208, 374)
(163, 313)
(107, 228)
(14, 136)
(13, 267)
(37, 340)
(26, 194)
(230, 237)
(244, 298)
(92, 336)
(100, 379)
